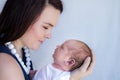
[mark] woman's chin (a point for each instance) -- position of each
(35, 47)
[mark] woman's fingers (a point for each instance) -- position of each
(88, 64)
(32, 73)
(85, 65)
(90, 68)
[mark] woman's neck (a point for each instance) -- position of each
(18, 46)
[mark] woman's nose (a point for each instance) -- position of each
(48, 35)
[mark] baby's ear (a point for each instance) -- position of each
(70, 62)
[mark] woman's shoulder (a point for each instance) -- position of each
(7, 60)
(9, 68)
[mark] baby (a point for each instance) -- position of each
(67, 57)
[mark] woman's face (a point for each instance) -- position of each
(41, 29)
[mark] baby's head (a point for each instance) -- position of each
(71, 54)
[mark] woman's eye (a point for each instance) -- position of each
(45, 27)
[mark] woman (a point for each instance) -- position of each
(24, 25)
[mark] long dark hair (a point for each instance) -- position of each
(18, 15)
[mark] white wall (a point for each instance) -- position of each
(96, 22)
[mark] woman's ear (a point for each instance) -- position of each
(70, 62)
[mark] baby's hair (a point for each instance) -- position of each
(78, 55)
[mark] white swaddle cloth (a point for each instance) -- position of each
(50, 73)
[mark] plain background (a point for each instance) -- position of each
(96, 22)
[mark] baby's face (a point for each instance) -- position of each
(63, 53)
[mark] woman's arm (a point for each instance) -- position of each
(9, 68)
(84, 70)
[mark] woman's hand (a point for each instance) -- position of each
(32, 73)
(84, 70)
